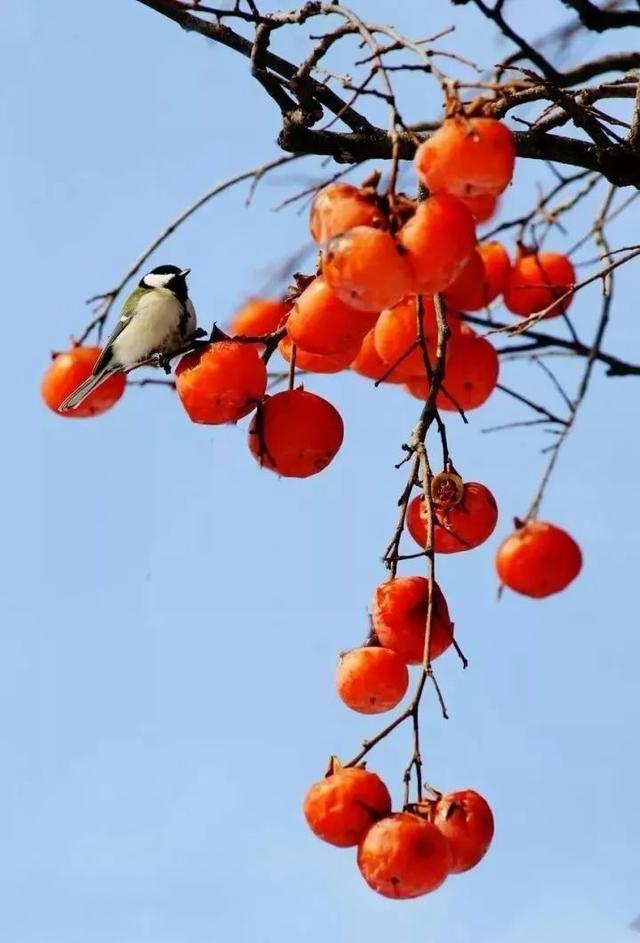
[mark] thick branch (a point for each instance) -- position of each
(599, 20)
(618, 164)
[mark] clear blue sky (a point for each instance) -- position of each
(171, 615)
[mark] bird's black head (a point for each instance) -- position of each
(170, 277)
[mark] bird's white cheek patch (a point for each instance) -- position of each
(157, 281)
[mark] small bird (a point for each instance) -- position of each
(157, 320)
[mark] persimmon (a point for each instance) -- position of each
(371, 679)
(462, 527)
(538, 559)
(537, 281)
(403, 856)
(342, 807)
(296, 433)
(321, 323)
(438, 239)
(467, 157)
(466, 821)
(481, 207)
(221, 382)
(399, 617)
(497, 267)
(367, 268)
(396, 332)
(319, 363)
(341, 206)
(67, 371)
(259, 316)
(481, 280)
(418, 387)
(468, 290)
(471, 372)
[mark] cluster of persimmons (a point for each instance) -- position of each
(370, 308)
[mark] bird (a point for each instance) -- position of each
(157, 320)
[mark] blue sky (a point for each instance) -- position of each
(172, 614)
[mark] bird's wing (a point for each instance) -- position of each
(128, 311)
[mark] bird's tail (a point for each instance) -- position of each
(78, 396)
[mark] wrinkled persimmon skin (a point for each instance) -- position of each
(259, 316)
(462, 527)
(538, 559)
(320, 323)
(482, 207)
(471, 372)
(536, 281)
(319, 363)
(372, 679)
(438, 239)
(466, 821)
(404, 856)
(367, 268)
(399, 616)
(65, 374)
(467, 157)
(221, 383)
(341, 206)
(342, 807)
(296, 433)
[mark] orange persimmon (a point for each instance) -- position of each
(438, 240)
(538, 559)
(296, 433)
(467, 157)
(68, 370)
(399, 616)
(221, 382)
(367, 268)
(342, 807)
(404, 856)
(371, 679)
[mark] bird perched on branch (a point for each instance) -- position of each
(157, 321)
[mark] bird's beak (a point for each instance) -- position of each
(185, 272)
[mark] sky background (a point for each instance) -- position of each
(172, 615)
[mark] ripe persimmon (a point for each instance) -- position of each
(222, 382)
(438, 239)
(481, 280)
(321, 323)
(318, 363)
(481, 207)
(462, 527)
(371, 679)
(342, 807)
(341, 206)
(296, 433)
(466, 821)
(537, 281)
(396, 332)
(399, 618)
(67, 371)
(467, 157)
(538, 559)
(403, 856)
(497, 267)
(367, 268)
(259, 316)
(471, 372)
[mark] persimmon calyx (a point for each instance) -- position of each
(447, 489)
